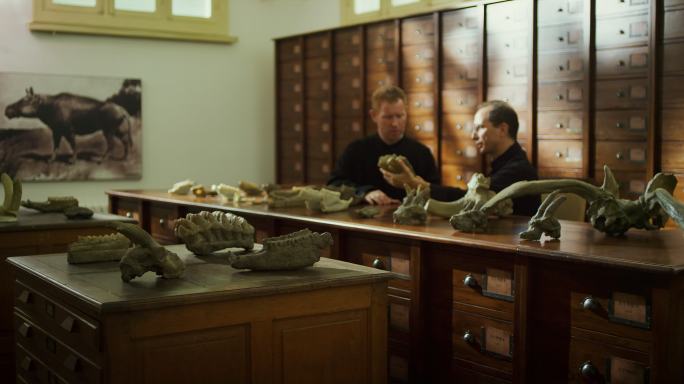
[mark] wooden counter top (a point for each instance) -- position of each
(30, 219)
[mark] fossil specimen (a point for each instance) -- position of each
(12, 199)
(251, 189)
(181, 187)
(90, 249)
(346, 192)
(292, 251)
(543, 222)
(607, 212)
(53, 204)
(412, 209)
(368, 212)
(78, 213)
(198, 190)
(147, 255)
(391, 162)
(286, 198)
(228, 192)
(207, 232)
(672, 207)
(324, 200)
(478, 193)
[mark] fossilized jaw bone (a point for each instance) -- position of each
(147, 256)
(207, 232)
(292, 251)
(543, 222)
(12, 199)
(181, 187)
(53, 204)
(91, 249)
(477, 195)
(412, 209)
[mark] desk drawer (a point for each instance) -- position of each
(561, 66)
(421, 127)
(463, 48)
(621, 94)
(378, 79)
(560, 125)
(418, 80)
(290, 49)
(502, 72)
(129, 208)
(566, 95)
(460, 100)
(462, 151)
(162, 220)
(458, 126)
(507, 16)
(515, 95)
(457, 176)
(381, 35)
(560, 153)
(560, 11)
(418, 56)
(483, 341)
(348, 63)
(32, 370)
(611, 7)
(622, 156)
(619, 62)
(508, 45)
(625, 125)
(460, 22)
(318, 87)
(461, 75)
(598, 363)
(290, 70)
(317, 45)
(622, 31)
(381, 60)
(563, 37)
(79, 331)
(386, 255)
(317, 67)
(417, 30)
(420, 103)
(348, 40)
(478, 285)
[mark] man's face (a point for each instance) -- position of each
(390, 118)
(487, 136)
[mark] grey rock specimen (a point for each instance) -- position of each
(292, 251)
(391, 163)
(207, 232)
(543, 222)
(12, 199)
(412, 209)
(368, 212)
(76, 213)
(147, 255)
(53, 204)
(477, 195)
(92, 249)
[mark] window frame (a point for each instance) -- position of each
(388, 11)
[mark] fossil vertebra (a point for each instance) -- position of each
(391, 163)
(477, 195)
(53, 204)
(543, 222)
(412, 209)
(207, 232)
(182, 187)
(12, 200)
(292, 251)
(91, 249)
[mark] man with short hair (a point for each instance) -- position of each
(495, 134)
(358, 165)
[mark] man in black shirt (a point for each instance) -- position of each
(358, 165)
(496, 129)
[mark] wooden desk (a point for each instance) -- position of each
(324, 324)
(36, 233)
(438, 325)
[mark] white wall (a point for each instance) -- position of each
(208, 109)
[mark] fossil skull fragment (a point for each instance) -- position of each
(207, 232)
(412, 209)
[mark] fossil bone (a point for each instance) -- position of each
(181, 187)
(228, 192)
(544, 221)
(251, 189)
(325, 200)
(198, 190)
(91, 249)
(391, 162)
(78, 213)
(207, 232)
(147, 255)
(286, 198)
(12, 199)
(412, 209)
(674, 208)
(292, 251)
(477, 195)
(53, 204)
(368, 212)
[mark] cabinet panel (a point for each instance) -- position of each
(417, 30)
(672, 124)
(458, 126)
(624, 156)
(673, 155)
(560, 125)
(422, 127)
(420, 104)
(317, 67)
(483, 341)
(291, 129)
(460, 151)
(348, 40)
(622, 31)
(292, 149)
(622, 125)
(290, 89)
(503, 72)
(507, 16)
(381, 60)
(507, 45)
(560, 66)
(673, 91)
(348, 63)
(318, 109)
(381, 35)
(317, 45)
(461, 75)
(459, 100)
(418, 80)
(291, 109)
(349, 106)
(348, 85)
(455, 175)
(563, 37)
(673, 23)
(606, 362)
(610, 7)
(318, 88)
(418, 56)
(619, 62)
(560, 11)
(590, 308)
(318, 129)
(559, 154)
(567, 95)
(290, 69)
(290, 49)
(463, 48)
(460, 22)
(672, 54)
(621, 94)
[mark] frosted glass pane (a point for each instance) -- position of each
(76, 3)
(193, 8)
(404, 2)
(136, 5)
(365, 6)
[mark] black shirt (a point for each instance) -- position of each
(358, 165)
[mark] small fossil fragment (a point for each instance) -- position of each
(181, 187)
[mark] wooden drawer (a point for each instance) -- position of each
(504, 72)
(348, 84)
(673, 91)
(380, 35)
(378, 79)
(600, 309)
(349, 106)
(463, 48)
(563, 37)
(507, 16)
(317, 67)
(398, 360)
(623, 156)
(348, 40)
(417, 30)
(32, 370)
(611, 7)
(318, 109)
(515, 95)
(399, 317)
(460, 151)
(318, 129)
(418, 80)
(462, 374)
(673, 155)
(559, 153)
(604, 363)
(561, 66)
(349, 127)
(421, 127)
(162, 220)
(291, 170)
(560, 173)
(290, 89)
(420, 104)
(319, 149)
(559, 125)
(291, 109)
(386, 255)
(672, 52)
(418, 56)
(381, 60)
(290, 69)
(290, 49)
(318, 172)
(458, 126)
(622, 31)
(291, 149)
(508, 45)
(317, 45)
(129, 208)
(348, 63)
(622, 125)
(621, 62)
(672, 124)
(461, 22)
(621, 94)
(457, 176)
(487, 287)
(631, 184)
(566, 95)
(559, 11)
(673, 23)
(291, 129)
(460, 100)
(79, 331)
(483, 340)
(461, 75)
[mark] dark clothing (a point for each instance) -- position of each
(512, 166)
(358, 165)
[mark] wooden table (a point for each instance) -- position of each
(36, 233)
(491, 308)
(215, 324)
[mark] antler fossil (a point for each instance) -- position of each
(543, 222)
(674, 208)
(207, 232)
(412, 209)
(477, 195)
(292, 251)
(10, 205)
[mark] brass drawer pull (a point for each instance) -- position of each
(129, 214)
(162, 222)
(468, 337)
(590, 304)
(470, 281)
(378, 263)
(589, 372)
(619, 156)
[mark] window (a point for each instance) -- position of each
(360, 11)
(200, 20)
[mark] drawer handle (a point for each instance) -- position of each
(560, 9)
(459, 126)
(506, 99)
(459, 178)
(470, 281)
(418, 104)
(561, 68)
(619, 156)
(558, 154)
(71, 363)
(622, 31)
(559, 97)
(559, 125)
(162, 222)
(50, 309)
(129, 214)
(378, 263)
(24, 296)
(468, 337)
(459, 152)
(419, 31)
(620, 93)
(621, 63)
(25, 329)
(589, 372)
(27, 364)
(619, 125)
(68, 324)
(561, 38)
(417, 127)
(381, 60)
(590, 304)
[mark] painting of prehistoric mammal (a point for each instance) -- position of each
(70, 127)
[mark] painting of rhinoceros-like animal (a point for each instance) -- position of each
(55, 127)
